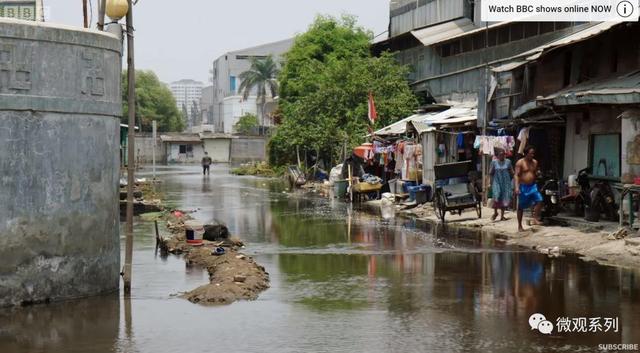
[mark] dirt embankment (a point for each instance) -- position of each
(602, 243)
(232, 275)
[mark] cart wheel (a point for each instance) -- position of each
(479, 209)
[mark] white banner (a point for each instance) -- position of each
(560, 10)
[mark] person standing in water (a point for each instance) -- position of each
(501, 172)
(526, 188)
(206, 163)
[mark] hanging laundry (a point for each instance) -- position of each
(523, 136)
(488, 144)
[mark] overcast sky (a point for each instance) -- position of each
(180, 38)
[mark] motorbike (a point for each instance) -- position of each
(602, 202)
(593, 201)
(550, 190)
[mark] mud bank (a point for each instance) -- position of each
(591, 242)
(232, 275)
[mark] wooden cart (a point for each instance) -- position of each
(456, 196)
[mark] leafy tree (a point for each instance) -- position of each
(246, 124)
(261, 76)
(325, 82)
(154, 101)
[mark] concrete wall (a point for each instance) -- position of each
(145, 146)
(630, 145)
(59, 139)
(601, 120)
(233, 108)
(174, 155)
(246, 148)
(218, 149)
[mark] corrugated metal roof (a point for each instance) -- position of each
(444, 31)
(458, 114)
(452, 33)
(457, 120)
(624, 89)
(586, 33)
(535, 53)
(621, 89)
(400, 127)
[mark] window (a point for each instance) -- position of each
(503, 35)
(479, 41)
(493, 36)
(186, 149)
(605, 155)
(546, 27)
(232, 84)
(517, 31)
(530, 29)
(467, 44)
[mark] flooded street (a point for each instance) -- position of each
(342, 280)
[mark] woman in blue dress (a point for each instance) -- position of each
(501, 173)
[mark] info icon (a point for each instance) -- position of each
(624, 8)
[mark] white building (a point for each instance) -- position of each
(228, 105)
(187, 93)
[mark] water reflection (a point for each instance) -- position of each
(57, 326)
(341, 280)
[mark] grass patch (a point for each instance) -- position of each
(258, 169)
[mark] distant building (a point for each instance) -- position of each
(227, 105)
(206, 104)
(30, 10)
(186, 92)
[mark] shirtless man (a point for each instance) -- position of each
(526, 188)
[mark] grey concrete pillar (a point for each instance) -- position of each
(60, 104)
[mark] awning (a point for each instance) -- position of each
(509, 66)
(453, 32)
(624, 89)
(458, 114)
(444, 31)
(535, 53)
(458, 120)
(621, 89)
(400, 127)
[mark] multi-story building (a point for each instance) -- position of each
(228, 105)
(450, 53)
(446, 46)
(187, 94)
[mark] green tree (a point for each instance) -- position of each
(154, 101)
(246, 124)
(325, 81)
(261, 77)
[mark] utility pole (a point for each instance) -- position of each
(131, 73)
(101, 10)
(84, 13)
(485, 171)
(154, 126)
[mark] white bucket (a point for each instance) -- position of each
(194, 231)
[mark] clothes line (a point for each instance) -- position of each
(488, 144)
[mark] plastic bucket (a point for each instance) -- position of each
(194, 232)
(340, 188)
(393, 186)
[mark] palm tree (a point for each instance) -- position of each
(261, 75)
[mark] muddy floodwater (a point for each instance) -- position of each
(342, 280)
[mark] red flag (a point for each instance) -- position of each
(373, 115)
